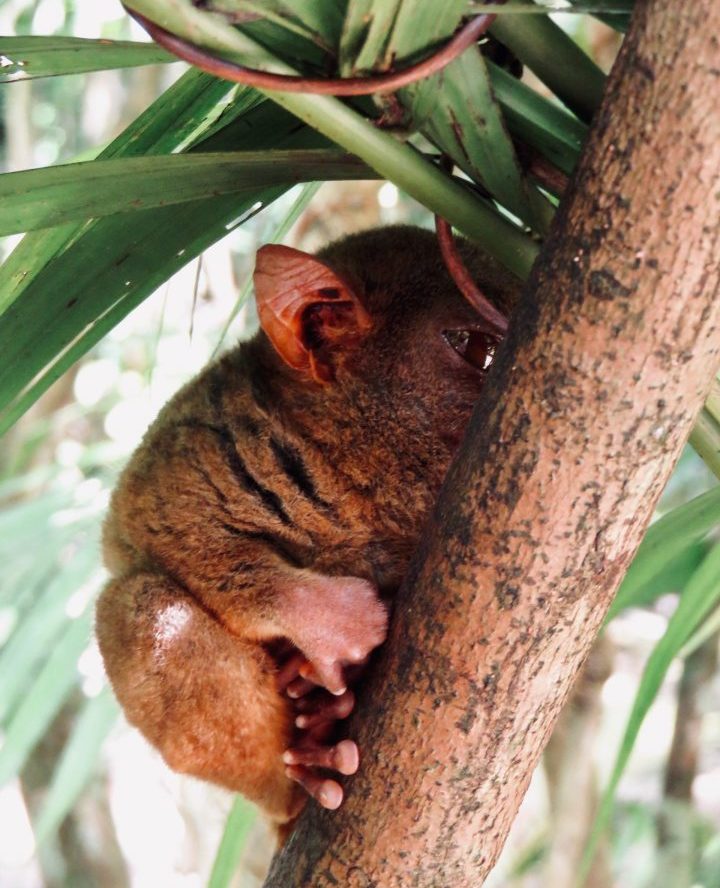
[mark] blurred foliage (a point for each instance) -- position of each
(67, 292)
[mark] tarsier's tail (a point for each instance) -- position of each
(204, 697)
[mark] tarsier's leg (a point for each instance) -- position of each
(213, 703)
(206, 699)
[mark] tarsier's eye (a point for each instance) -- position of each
(476, 347)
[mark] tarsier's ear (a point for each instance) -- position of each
(308, 313)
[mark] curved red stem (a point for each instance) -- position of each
(495, 319)
(349, 86)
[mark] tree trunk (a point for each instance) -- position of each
(583, 417)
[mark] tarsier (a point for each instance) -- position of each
(261, 528)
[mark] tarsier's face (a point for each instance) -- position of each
(379, 318)
(434, 363)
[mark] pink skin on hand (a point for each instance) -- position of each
(335, 622)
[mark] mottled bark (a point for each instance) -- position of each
(584, 415)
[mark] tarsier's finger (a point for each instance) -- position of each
(299, 687)
(327, 674)
(289, 671)
(320, 708)
(317, 734)
(327, 792)
(343, 758)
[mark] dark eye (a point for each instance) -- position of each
(477, 348)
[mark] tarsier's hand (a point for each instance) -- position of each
(336, 622)
(353, 624)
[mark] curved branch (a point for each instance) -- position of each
(348, 86)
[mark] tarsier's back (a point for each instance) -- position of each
(276, 501)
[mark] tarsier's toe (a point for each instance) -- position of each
(326, 792)
(347, 757)
(327, 673)
(288, 674)
(313, 711)
(343, 757)
(316, 715)
(299, 687)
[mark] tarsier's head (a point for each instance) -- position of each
(376, 319)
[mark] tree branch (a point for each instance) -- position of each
(584, 415)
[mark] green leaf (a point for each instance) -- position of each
(342, 124)
(45, 697)
(323, 17)
(23, 58)
(79, 191)
(188, 109)
(41, 334)
(420, 26)
(708, 628)
(665, 540)
(545, 126)
(20, 524)
(78, 762)
(318, 21)
(241, 817)
(40, 626)
(546, 7)
(614, 13)
(463, 119)
(705, 435)
(555, 58)
(366, 30)
(456, 110)
(700, 596)
(298, 207)
(673, 577)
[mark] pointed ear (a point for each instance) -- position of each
(307, 311)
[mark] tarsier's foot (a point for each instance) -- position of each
(317, 713)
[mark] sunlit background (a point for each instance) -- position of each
(131, 821)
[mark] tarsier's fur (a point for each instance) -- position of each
(251, 482)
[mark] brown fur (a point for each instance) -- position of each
(254, 485)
